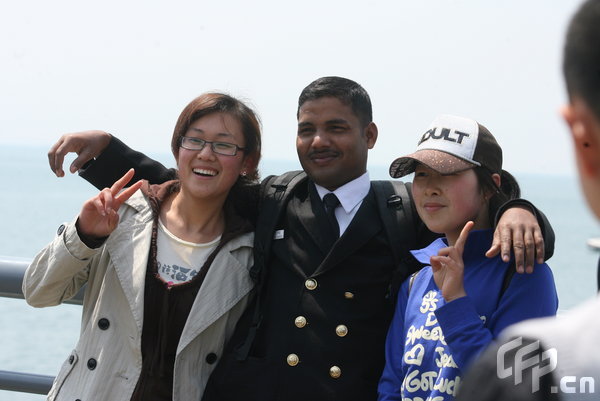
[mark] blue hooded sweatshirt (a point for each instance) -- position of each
(431, 342)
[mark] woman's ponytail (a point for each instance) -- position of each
(508, 189)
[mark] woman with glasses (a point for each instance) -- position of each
(166, 266)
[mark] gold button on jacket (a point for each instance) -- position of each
(293, 360)
(300, 322)
(341, 330)
(310, 284)
(335, 372)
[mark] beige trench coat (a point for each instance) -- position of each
(107, 360)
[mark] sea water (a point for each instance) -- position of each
(33, 203)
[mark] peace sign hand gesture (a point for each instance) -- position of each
(98, 217)
(448, 267)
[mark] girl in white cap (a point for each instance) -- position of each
(451, 309)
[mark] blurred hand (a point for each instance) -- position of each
(518, 228)
(87, 145)
(448, 267)
(98, 217)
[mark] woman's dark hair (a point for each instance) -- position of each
(509, 188)
(209, 103)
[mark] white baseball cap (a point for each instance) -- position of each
(452, 144)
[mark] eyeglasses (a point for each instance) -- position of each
(221, 148)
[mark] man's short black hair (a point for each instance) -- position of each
(343, 89)
(581, 63)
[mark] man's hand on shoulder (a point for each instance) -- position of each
(87, 145)
(518, 231)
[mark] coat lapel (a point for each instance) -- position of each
(130, 262)
(365, 224)
(226, 283)
(310, 213)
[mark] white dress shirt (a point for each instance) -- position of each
(351, 196)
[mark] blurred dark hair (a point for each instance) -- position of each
(343, 89)
(581, 62)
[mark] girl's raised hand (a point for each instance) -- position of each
(448, 267)
(98, 217)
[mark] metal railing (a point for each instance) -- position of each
(12, 271)
(25, 382)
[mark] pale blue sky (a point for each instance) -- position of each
(129, 67)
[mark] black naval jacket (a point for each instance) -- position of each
(325, 305)
(326, 311)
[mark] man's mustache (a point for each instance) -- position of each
(323, 153)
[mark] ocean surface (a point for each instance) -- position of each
(33, 203)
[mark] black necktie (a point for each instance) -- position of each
(331, 203)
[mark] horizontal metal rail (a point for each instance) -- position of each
(12, 271)
(25, 382)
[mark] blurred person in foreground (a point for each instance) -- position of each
(558, 358)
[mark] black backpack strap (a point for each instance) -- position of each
(395, 208)
(276, 192)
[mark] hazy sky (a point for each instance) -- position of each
(129, 67)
